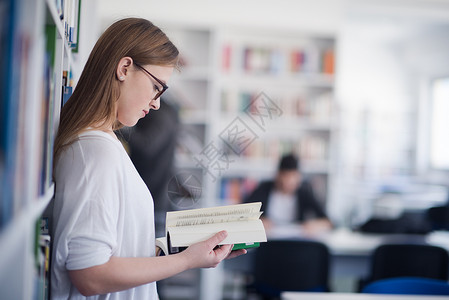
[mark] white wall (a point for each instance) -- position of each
(321, 16)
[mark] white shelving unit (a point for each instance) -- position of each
(192, 89)
(221, 67)
(28, 189)
(295, 72)
(209, 89)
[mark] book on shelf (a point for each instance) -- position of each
(233, 190)
(42, 287)
(67, 92)
(70, 19)
(241, 221)
(67, 89)
(7, 20)
(329, 62)
(226, 58)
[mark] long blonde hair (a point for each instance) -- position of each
(93, 103)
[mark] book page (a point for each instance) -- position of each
(212, 219)
(212, 215)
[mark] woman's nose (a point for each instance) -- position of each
(155, 104)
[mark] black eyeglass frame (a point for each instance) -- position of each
(164, 86)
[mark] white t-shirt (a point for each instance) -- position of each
(102, 208)
(282, 208)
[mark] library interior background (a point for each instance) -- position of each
(355, 89)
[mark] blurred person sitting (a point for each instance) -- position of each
(290, 200)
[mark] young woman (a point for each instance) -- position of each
(104, 242)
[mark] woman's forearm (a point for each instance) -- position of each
(121, 273)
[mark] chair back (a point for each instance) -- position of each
(409, 286)
(291, 265)
(438, 217)
(416, 260)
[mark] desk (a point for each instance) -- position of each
(347, 296)
(350, 252)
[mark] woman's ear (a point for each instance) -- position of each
(123, 67)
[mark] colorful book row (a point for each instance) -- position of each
(271, 60)
(314, 107)
(234, 190)
(312, 148)
(27, 113)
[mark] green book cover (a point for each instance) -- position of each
(245, 246)
(50, 34)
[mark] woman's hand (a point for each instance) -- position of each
(208, 254)
(236, 253)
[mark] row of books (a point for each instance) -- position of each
(42, 250)
(48, 108)
(313, 107)
(234, 190)
(68, 11)
(15, 110)
(273, 60)
(47, 116)
(310, 147)
(27, 115)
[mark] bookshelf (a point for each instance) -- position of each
(36, 53)
(290, 75)
(191, 90)
(225, 70)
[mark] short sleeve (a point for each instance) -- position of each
(91, 195)
(94, 239)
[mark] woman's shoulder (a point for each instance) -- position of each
(93, 148)
(97, 137)
(99, 141)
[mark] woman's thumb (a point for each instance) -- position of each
(216, 239)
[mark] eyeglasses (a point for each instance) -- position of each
(164, 86)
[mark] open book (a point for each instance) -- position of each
(186, 227)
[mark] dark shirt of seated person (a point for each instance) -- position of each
(290, 200)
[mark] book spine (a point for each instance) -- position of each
(226, 58)
(328, 62)
(8, 16)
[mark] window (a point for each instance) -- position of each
(439, 124)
